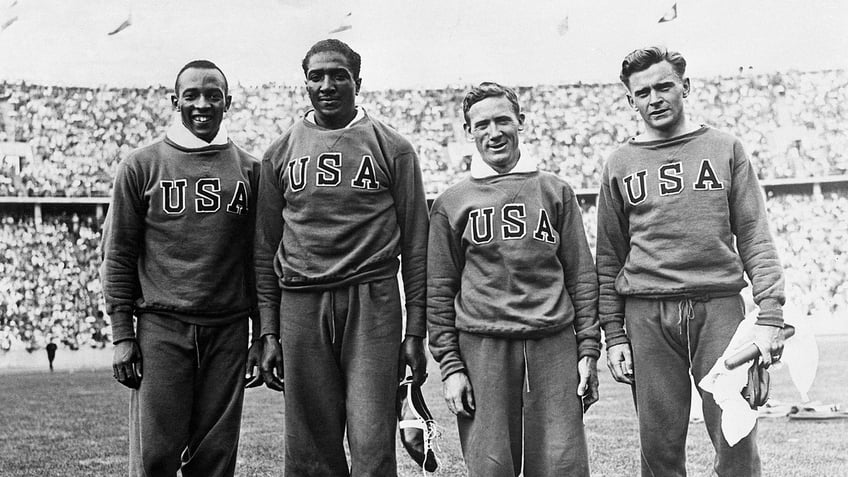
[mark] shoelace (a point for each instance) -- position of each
(432, 434)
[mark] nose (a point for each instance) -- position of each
(493, 130)
(655, 97)
(326, 83)
(202, 102)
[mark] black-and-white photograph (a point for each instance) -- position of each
(350, 238)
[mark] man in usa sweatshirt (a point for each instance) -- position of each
(512, 304)
(177, 255)
(681, 217)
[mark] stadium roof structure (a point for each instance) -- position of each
(410, 43)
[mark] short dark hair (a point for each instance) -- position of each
(203, 65)
(338, 46)
(644, 58)
(489, 89)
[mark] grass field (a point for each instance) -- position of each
(74, 424)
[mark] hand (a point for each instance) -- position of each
(412, 354)
(126, 363)
(252, 376)
(769, 339)
(271, 364)
(620, 363)
(459, 395)
(587, 368)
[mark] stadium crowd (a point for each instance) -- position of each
(792, 125)
(49, 285)
(812, 236)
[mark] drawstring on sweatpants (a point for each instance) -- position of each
(196, 346)
(685, 313)
(331, 322)
(526, 367)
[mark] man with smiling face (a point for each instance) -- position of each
(177, 254)
(512, 304)
(681, 218)
(340, 199)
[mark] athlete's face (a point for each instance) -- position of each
(657, 93)
(494, 126)
(201, 98)
(332, 89)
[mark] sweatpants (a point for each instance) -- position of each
(525, 393)
(340, 360)
(186, 414)
(671, 339)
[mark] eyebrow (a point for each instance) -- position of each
(496, 119)
(332, 70)
(661, 84)
(195, 90)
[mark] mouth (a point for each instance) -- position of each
(201, 119)
(659, 113)
(497, 147)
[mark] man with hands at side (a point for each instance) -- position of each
(341, 198)
(512, 304)
(177, 254)
(681, 218)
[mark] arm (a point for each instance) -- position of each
(411, 207)
(268, 236)
(123, 231)
(613, 245)
(749, 223)
(581, 281)
(254, 352)
(444, 265)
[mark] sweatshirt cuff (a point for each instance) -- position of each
(771, 313)
(269, 319)
(589, 348)
(416, 324)
(615, 335)
(451, 363)
(122, 326)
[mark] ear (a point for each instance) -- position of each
(468, 136)
(521, 121)
(630, 100)
(175, 102)
(686, 87)
(228, 102)
(358, 82)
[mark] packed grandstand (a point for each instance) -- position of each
(794, 125)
